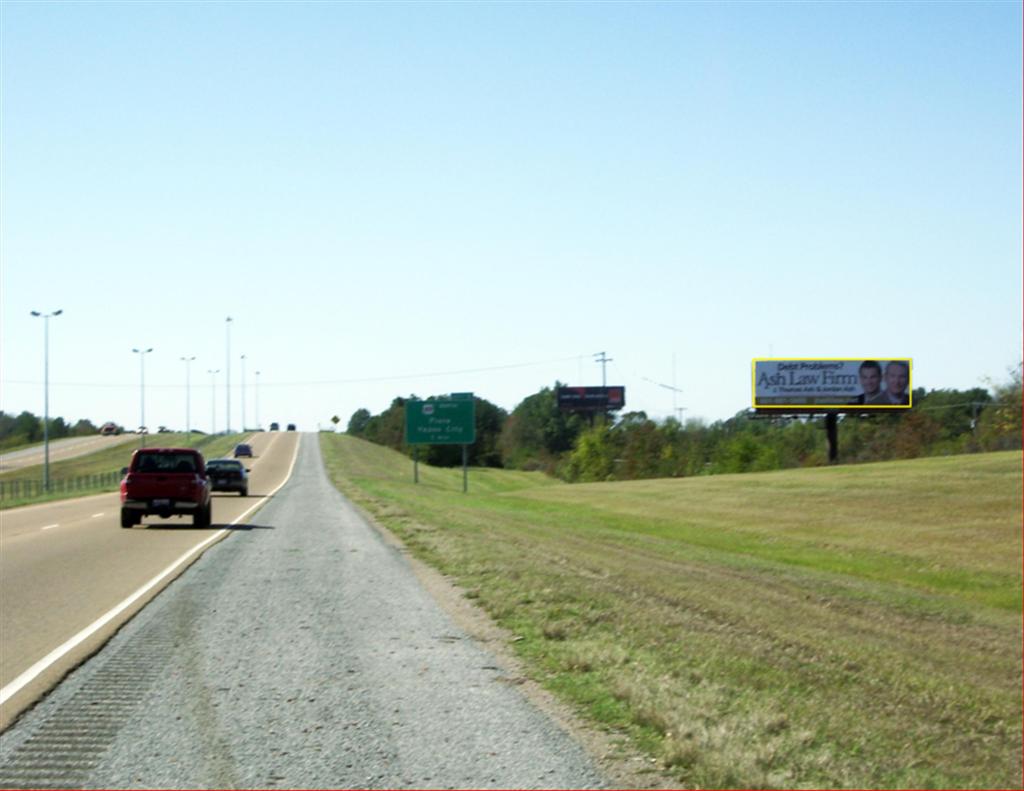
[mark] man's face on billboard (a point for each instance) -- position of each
(870, 380)
(896, 378)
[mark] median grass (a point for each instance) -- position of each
(844, 627)
(98, 472)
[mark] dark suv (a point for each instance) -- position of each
(228, 475)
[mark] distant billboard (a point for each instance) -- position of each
(844, 383)
(591, 399)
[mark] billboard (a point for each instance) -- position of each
(591, 399)
(441, 421)
(845, 383)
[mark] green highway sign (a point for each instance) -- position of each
(442, 421)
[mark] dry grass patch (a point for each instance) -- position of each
(845, 627)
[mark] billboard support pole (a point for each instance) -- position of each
(831, 430)
(465, 468)
(415, 463)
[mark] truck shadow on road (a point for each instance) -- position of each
(183, 526)
(234, 528)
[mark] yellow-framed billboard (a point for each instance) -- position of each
(842, 383)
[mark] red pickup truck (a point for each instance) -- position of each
(166, 482)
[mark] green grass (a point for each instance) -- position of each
(98, 472)
(11, 445)
(850, 626)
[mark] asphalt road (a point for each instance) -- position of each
(67, 564)
(301, 652)
(60, 449)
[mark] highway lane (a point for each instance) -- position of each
(64, 565)
(61, 449)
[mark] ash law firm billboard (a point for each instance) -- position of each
(840, 383)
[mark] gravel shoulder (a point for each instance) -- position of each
(301, 653)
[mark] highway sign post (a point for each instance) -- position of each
(441, 421)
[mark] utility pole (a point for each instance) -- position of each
(676, 410)
(46, 394)
(602, 358)
(227, 374)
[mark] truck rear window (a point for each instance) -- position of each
(165, 462)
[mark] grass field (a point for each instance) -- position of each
(847, 627)
(98, 472)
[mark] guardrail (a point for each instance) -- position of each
(32, 488)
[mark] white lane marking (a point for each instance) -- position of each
(50, 527)
(19, 683)
(95, 515)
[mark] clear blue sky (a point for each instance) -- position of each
(382, 195)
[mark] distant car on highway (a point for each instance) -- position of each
(241, 449)
(275, 426)
(228, 475)
(109, 429)
(291, 427)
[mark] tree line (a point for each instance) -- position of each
(537, 435)
(27, 429)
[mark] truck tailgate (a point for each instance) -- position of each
(161, 485)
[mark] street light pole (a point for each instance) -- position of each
(188, 405)
(213, 400)
(243, 392)
(257, 399)
(46, 394)
(142, 389)
(227, 372)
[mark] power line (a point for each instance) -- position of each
(328, 382)
(604, 359)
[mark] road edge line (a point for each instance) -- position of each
(34, 671)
